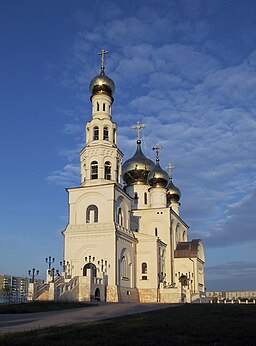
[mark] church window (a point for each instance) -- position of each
(120, 217)
(105, 134)
(117, 171)
(124, 268)
(156, 231)
(98, 106)
(145, 198)
(92, 214)
(95, 133)
(114, 136)
(184, 236)
(107, 172)
(136, 196)
(104, 107)
(144, 270)
(94, 170)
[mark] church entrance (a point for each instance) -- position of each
(93, 269)
(97, 294)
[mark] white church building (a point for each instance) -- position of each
(125, 240)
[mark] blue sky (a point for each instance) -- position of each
(185, 68)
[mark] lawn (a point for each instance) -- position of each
(40, 306)
(204, 324)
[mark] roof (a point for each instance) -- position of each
(188, 249)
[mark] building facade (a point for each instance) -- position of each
(125, 239)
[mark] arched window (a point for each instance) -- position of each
(95, 133)
(156, 232)
(145, 198)
(144, 270)
(184, 236)
(136, 197)
(124, 268)
(98, 106)
(92, 214)
(104, 107)
(107, 170)
(105, 134)
(120, 217)
(94, 170)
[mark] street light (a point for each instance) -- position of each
(49, 260)
(65, 267)
(53, 272)
(33, 273)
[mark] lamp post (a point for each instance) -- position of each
(33, 273)
(65, 267)
(53, 272)
(49, 260)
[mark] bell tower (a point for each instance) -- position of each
(101, 160)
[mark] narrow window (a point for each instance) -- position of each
(145, 198)
(120, 217)
(156, 231)
(107, 173)
(104, 107)
(114, 136)
(105, 134)
(136, 197)
(144, 270)
(95, 133)
(92, 214)
(98, 106)
(117, 171)
(94, 170)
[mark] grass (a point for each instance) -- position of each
(204, 324)
(40, 306)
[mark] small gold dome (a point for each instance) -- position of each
(173, 193)
(102, 84)
(158, 177)
(136, 169)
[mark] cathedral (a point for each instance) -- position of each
(125, 240)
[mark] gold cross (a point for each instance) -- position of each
(170, 169)
(157, 148)
(138, 128)
(102, 53)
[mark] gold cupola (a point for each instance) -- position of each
(136, 169)
(158, 177)
(102, 84)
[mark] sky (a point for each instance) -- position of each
(184, 68)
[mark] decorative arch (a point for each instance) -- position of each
(125, 265)
(92, 214)
(92, 267)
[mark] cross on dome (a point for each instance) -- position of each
(102, 53)
(138, 128)
(170, 169)
(157, 148)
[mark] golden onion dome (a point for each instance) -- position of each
(136, 169)
(158, 177)
(102, 84)
(173, 193)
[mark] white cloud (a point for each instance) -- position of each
(69, 175)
